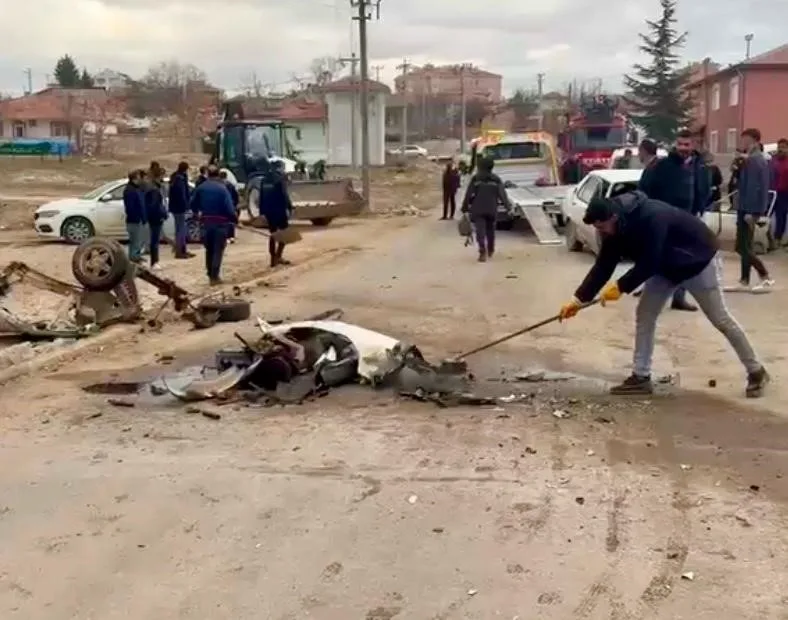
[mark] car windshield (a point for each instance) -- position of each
(100, 191)
(600, 136)
(515, 150)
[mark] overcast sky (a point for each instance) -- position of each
(231, 39)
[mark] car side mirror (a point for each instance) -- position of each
(106, 198)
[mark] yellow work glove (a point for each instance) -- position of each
(611, 292)
(570, 309)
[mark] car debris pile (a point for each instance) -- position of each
(108, 295)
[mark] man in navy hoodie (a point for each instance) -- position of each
(211, 202)
(134, 209)
(682, 180)
(155, 212)
(179, 205)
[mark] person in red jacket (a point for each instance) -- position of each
(780, 185)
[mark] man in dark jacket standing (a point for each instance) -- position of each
(753, 204)
(202, 176)
(234, 197)
(682, 180)
(134, 209)
(451, 183)
(670, 247)
(780, 185)
(155, 212)
(179, 205)
(276, 207)
(211, 202)
(485, 192)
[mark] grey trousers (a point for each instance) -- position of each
(706, 288)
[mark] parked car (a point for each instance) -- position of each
(610, 183)
(409, 150)
(97, 213)
(634, 163)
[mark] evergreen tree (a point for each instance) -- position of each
(86, 80)
(656, 90)
(67, 73)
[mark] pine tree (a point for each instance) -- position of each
(67, 73)
(86, 80)
(656, 90)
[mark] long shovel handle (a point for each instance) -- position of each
(519, 332)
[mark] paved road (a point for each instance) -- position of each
(359, 506)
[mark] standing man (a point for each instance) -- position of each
(234, 197)
(211, 202)
(485, 192)
(155, 212)
(670, 247)
(201, 177)
(624, 162)
(179, 205)
(647, 154)
(451, 183)
(134, 209)
(715, 176)
(753, 204)
(276, 207)
(780, 185)
(681, 180)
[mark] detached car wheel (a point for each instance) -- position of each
(231, 310)
(75, 230)
(99, 264)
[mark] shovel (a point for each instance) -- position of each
(458, 365)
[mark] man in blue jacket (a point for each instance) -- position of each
(155, 212)
(670, 247)
(681, 180)
(276, 207)
(752, 204)
(211, 202)
(234, 197)
(179, 205)
(134, 209)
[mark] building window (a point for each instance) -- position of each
(715, 97)
(58, 129)
(732, 140)
(714, 142)
(19, 130)
(733, 92)
(32, 122)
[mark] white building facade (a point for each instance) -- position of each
(344, 122)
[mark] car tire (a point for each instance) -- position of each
(573, 244)
(321, 221)
(75, 230)
(99, 264)
(193, 231)
(253, 202)
(230, 310)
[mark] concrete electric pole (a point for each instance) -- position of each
(363, 17)
(748, 42)
(353, 62)
(29, 81)
(540, 94)
(377, 69)
(463, 111)
(405, 67)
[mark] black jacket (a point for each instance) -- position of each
(485, 192)
(716, 185)
(179, 193)
(666, 180)
(275, 203)
(155, 211)
(451, 180)
(134, 204)
(661, 240)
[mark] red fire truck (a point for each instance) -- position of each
(592, 133)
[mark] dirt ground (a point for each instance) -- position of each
(360, 505)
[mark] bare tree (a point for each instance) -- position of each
(323, 69)
(172, 74)
(252, 86)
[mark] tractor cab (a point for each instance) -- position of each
(241, 144)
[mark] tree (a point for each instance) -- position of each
(67, 73)
(172, 74)
(656, 91)
(323, 69)
(524, 105)
(86, 80)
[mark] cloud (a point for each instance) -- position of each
(565, 39)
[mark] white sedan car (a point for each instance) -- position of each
(97, 213)
(409, 150)
(610, 183)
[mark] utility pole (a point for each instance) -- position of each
(363, 17)
(377, 69)
(463, 111)
(29, 74)
(405, 66)
(748, 42)
(540, 94)
(353, 61)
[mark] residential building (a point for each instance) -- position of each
(728, 100)
(114, 81)
(344, 121)
(449, 82)
(56, 112)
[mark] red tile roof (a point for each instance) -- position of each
(350, 84)
(60, 104)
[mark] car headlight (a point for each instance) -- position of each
(47, 214)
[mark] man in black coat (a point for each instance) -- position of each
(670, 248)
(485, 192)
(450, 185)
(682, 180)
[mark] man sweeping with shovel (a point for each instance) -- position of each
(670, 248)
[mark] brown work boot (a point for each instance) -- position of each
(633, 386)
(756, 383)
(482, 256)
(216, 281)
